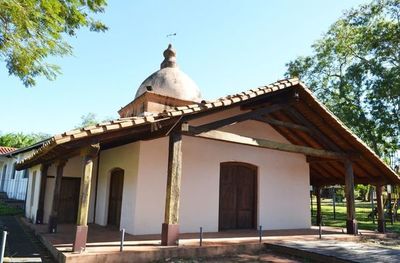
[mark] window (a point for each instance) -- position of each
(26, 173)
(13, 172)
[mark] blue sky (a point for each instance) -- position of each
(225, 46)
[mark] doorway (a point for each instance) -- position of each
(237, 196)
(115, 199)
(69, 200)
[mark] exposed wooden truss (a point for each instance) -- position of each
(263, 143)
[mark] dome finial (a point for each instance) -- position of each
(169, 58)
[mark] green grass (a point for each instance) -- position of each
(362, 211)
(8, 210)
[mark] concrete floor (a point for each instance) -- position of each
(346, 251)
(104, 243)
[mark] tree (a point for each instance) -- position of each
(91, 119)
(32, 30)
(355, 71)
(88, 120)
(19, 140)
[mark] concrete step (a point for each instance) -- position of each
(308, 255)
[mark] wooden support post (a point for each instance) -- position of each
(170, 227)
(319, 215)
(334, 202)
(88, 154)
(379, 205)
(351, 222)
(372, 204)
(390, 207)
(312, 205)
(43, 182)
(56, 197)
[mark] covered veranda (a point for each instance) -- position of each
(104, 243)
(334, 154)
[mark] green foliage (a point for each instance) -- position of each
(355, 71)
(19, 140)
(363, 209)
(90, 119)
(8, 210)
(361, 192)
(32, 30)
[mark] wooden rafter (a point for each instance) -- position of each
(263, 143)
(319, 136)
(340, 138)
(238, 118)
(293, 137)
(328, 175)
(289, 125)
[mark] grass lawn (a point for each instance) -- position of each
(362, 211)
(8, 210)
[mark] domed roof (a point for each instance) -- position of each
(170, 80)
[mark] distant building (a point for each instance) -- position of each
(174, 162)
(13, 182)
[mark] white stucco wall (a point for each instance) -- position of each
(283, 185)
(283, 181)
(151, 186)
(32, 196)
(125, 157)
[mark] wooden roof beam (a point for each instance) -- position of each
(289, 125)
(319, 136)
(262, 143)
(378, 170)
(333, 173)
(239, 118)
(331, 163)
(299, 117)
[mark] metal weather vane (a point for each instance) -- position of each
(171, 35)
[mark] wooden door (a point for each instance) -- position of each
(237, 196)
(69, 200)
(115, 199)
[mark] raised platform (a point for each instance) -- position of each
(104, 243)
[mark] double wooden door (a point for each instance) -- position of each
(237, 196)
(69, 200)
(115, 199)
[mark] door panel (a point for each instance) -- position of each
(115, 199)
(69, 200)
(237, 196)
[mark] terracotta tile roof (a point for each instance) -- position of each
(4, 149)
(319, 109)
(231, 99)
(131, 122)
